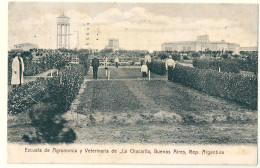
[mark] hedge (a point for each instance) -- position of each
(19, 99)
(59, 91)
(224, 65)
(158, 67)
(234, 87)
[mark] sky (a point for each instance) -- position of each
(138, 26)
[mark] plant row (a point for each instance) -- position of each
(227, 65)
(59, 91)
(235, 87)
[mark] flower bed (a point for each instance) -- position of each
(235, 87)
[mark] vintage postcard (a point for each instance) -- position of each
(132, 83)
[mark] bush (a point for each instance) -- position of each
(158, 67)
(235, 87)
(48, 90)
(62, 94)
(224, 65)
(27, 95)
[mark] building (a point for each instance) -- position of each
(63, 32)
(249, 49)
(25, 46)
(201, 44)
(113, 44)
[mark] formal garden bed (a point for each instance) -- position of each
(44, 101)
(231, 86)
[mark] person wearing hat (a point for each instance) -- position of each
(17, 71)
(95, 65)
(170, 65)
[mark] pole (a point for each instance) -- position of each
(60, 77)
(108, 74)
(149, 75)
(51, 73)
(219, 69)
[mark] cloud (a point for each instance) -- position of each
(136, 28)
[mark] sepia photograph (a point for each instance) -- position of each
(132, 82)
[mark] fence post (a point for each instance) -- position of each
(219, 69)
(108, 74)
(57, 72)
(51, 73)
(149, 75)
(60, 77)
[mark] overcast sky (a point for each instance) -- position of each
(136, 25)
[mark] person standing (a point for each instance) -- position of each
(147, 60)
(117, 61)
(144, 71)
(105, 61)
(95, 65)
(17, 71)
(170, 65)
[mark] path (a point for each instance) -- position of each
(33, 78)
(127, 109)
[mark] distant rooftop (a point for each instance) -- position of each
(25, 44)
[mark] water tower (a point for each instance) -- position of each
(63, 32)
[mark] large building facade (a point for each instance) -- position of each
(201, 44)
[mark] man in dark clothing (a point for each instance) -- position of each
(95, 65)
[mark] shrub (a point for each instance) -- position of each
(48, 90)
(224, 65)
(235, 87)
(27, 95)
(62, 94)
(158, 67)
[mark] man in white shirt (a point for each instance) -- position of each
(144, 70)
(170, 65)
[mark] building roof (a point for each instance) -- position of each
(195, 42)
(181, 42)
(25, 44)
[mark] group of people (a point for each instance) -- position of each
(169, 65)
(145, 66)
(95, 65)
(18, 68)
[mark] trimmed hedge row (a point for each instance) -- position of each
(59, 91)
(158, 67)
(224, 65)
(235, 87)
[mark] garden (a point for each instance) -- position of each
(44, 100)
(231, 86)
